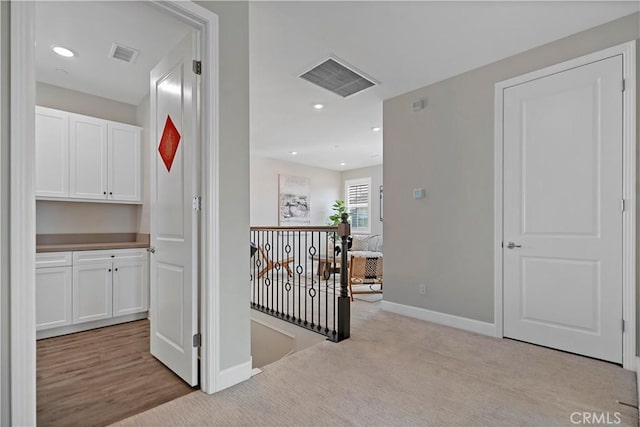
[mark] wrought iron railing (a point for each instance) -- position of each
(297, 276)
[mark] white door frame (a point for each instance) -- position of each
(22, 210)
(628, 52)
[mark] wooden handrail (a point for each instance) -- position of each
(304, 228)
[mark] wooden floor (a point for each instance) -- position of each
(98, 377)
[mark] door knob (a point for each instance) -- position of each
(512, 245)
(151, 249)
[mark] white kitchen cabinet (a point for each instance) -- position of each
(129, 275)
(92, 292)
(81, 158)
(130, 287)
(124, 162)
(53, 297)
(88, 154)
(52, 153)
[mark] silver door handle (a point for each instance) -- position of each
(151, 249)
(512, 245)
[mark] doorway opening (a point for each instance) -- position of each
(98, 210)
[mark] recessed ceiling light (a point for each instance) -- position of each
(342, 163)
(318, 106)
(63, 51)
(293, 153)
(375, 129)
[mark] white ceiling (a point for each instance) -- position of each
(89, 28)
(404, 45)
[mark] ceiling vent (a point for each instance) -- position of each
(123, 53)
(338, 78)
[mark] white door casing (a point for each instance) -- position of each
(560, 187)
(174, 224)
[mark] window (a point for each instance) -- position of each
(358, 201)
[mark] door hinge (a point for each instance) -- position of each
(624, 85)
(197, 67)
(197, 340)
(197, 203)
(622, 205)
(622, 325)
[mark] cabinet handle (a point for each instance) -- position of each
(104, 192)
(111, 193)
(116, 269)
(113, 256)
(109, 270)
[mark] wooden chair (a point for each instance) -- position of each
(271, 264)
(364, 270)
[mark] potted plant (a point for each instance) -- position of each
(338, 209)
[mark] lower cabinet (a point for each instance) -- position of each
(53, 297)
(92, 292)
(92, 285)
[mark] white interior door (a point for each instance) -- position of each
(562, 210)
(174, 223)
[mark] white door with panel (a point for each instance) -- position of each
(130, 290)
(53, 297)
(124, 165)
(562, 212)
(88, 157)
(92, 292)
(52, 153)
(174, 223)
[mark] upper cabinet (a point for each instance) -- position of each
(52, 153)
(87, 159)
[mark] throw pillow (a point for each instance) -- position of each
(360, 243)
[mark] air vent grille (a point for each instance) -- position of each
(123, 53)
(337, 78)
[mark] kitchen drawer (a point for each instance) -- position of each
(53, 259)
(92, 257)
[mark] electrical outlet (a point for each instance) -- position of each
(422, 289)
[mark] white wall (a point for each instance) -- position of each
(325, 190)
(77, 217)
(143, 120)
(375, 173)
(235, 340)
(445, 240)
(73, 217)
(82, 103)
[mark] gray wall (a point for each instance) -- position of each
(4, 216)
(143, 119)
(375, 172)
(446, 239)
(82, 103)
(235, 344)
(74, 217)
(325, 189)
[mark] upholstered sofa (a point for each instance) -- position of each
(366, 245)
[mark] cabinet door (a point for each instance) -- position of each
(53, 297)
(130, 287)
(52, 153)
(88, 154)
(92, 292)
(125, 163)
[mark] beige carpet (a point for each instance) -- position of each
(401, 371)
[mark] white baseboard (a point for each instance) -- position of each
(234, 375)
(458, 322)
(80, 327)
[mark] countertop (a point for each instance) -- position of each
(90, 242)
